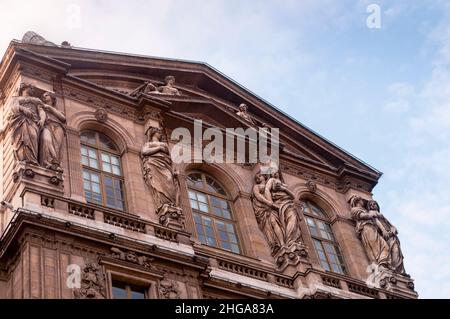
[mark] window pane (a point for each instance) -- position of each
(226, 214)
(93, 163)
(195, 180)
(203, 207)
(235, 248)
(201, 198)
(137, 293)
(213, 186)
(194, 204)
(105, 158)
(325, 265)
(116, 170)
(119, 290)
(106, 142)
(106, 167)
(115, 160)
(88, 137)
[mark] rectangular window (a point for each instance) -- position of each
(121, 290)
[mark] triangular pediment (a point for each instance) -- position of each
(204, 93)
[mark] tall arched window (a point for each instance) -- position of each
(102, 172)
(212, 213)
(324, 241)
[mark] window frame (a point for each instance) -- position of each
(326, 220)
(210, 214)
(99, 149)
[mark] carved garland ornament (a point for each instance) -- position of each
(92, 282)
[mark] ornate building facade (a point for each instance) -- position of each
(92, 205)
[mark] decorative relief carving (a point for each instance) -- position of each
(150, 88)
(132, 257)
(161, 179)
(311, 185)
(95, 101)
(339, 186)
(168, 289)
(92, 282)
(101, 115)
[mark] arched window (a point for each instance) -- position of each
(325, 244)
(212, 213)
(102, 172)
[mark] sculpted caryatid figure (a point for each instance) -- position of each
(159, 175)
(267, 214)
(370, 231)
(168, 88)
(26, 118)
(283, 198)
(275, 211)
(390, 236)
(244, 114)
(52, 134)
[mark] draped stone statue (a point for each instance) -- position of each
(283, 198)
(244, 114)
(370, 232)
(160, 177)
(390, 236)
(266, 213)
(26, 119)
(52, 134)
(278, 218)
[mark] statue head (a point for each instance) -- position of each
(26, 89)
(357, 201)
(49, 98)
(169, 80)
(154, 134)
(259, 178)
(373, 205)
(243, 108)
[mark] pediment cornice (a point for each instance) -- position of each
(200, 83)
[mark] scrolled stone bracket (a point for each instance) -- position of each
(291, 255)
(171, 216)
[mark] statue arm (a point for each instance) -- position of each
(287, 190)
(258, 196)
(148, 150)
(361, 214)
(60, 115)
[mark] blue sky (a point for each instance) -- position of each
(381, 94)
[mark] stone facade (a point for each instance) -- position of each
(60, 241)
